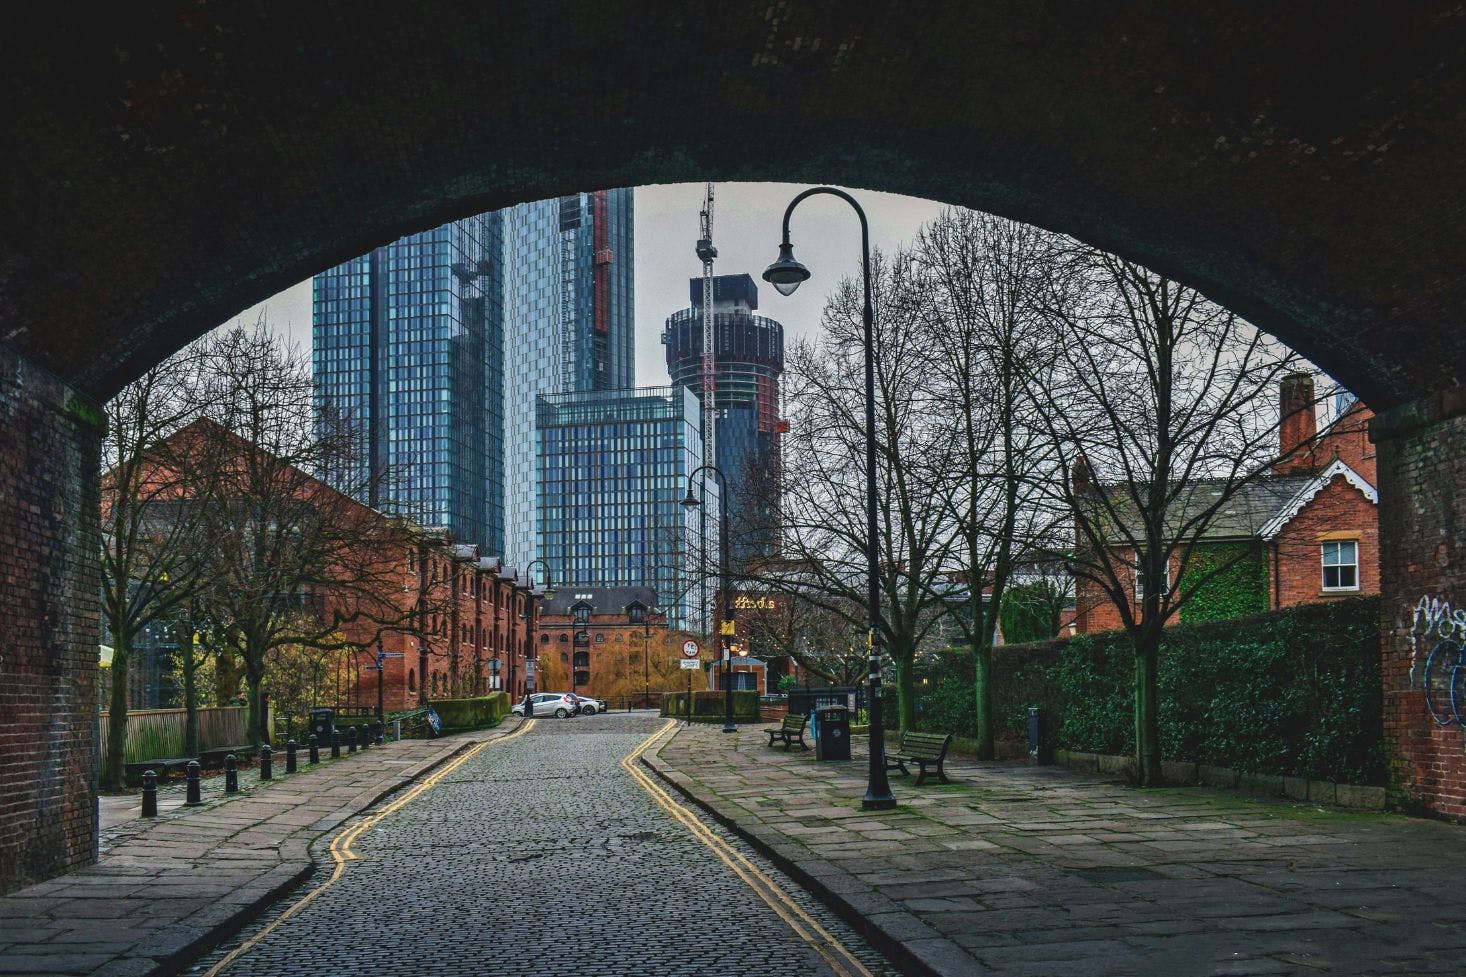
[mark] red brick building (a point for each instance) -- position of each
(1306, 532)
(610, 643)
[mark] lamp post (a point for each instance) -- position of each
(786, 274)
(546, 594)
(692, 502)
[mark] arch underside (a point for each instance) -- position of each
(179, 162)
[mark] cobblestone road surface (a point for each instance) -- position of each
(540, 855)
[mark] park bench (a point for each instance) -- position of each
(215, 757)
(132, 773)
(923, 749)
(790, 730)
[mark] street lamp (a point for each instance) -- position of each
(786, 275)
(545, 594)
(693, 502)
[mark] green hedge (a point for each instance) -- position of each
(1294, 692)
(480, 712)
(709, 706)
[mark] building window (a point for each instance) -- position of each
(1142, 584)
(1341, 565)
(544, 639)
(600, 638)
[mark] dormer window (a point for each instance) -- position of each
(582, 613)
(635, 613)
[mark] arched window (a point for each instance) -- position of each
(564, 656)
(564, 638)
(600, 638)
(412, 681)
(544, 639)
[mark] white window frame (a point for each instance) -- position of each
(1325, 566)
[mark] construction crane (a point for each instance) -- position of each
(706, 253)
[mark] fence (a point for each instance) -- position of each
(154, 734)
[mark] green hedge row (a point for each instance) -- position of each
(710, 707)
(479, 712)
(1294, 692)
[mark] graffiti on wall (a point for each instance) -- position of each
(1438, 658)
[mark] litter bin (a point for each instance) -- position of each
(832, 733)
(323, 725)
(1039, 753)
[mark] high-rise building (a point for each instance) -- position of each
(569, 318)
(748, 363)
(407, 346)
(613, 472)
(436, 346)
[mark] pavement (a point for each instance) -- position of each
(1020, 870)
(167, 889)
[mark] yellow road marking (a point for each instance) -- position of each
(840, 959)
(341, 852)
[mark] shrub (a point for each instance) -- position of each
(479, 712)
(709, 706)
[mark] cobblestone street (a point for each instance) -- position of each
(539, 854)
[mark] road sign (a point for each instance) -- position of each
(690, 664)
(690, 649)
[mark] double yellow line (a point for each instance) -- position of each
(841, 960)
(341, 851)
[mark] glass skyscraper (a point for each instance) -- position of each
(436, 346)
(407, 347)
(613, 471)
(749, 432)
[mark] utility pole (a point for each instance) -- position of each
(706, 253)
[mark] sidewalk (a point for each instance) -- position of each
(168, 889)
(1021, 870)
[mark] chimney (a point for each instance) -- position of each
(1079, 477)
(1298, 425)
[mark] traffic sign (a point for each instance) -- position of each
(690, 649)
(689, 664)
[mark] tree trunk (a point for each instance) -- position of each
(1147, 713)
(112, 763)
(982, 670)
(905, 694)
(191, 701)
(254, 680)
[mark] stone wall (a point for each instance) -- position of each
(50, 440)
(1422, 466)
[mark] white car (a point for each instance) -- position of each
(557, 704)
(589, 706)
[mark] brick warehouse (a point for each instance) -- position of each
(1302, 171)
(1310, 527)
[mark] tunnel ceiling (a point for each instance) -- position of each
(171, 163)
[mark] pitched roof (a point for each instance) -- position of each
(602, 600)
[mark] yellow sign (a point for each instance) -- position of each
(727, 628)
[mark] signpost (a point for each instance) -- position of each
(379, 668)
(690, 652)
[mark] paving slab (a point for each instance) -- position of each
(1015, 869)
(166, 889)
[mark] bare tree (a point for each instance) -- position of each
(824, 532)
(149, 526)
(1163, 404)
(983, 333)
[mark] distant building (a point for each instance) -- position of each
(613, 467)
(407, 346)
(605, 639)
(748, 364)
(1307, 531)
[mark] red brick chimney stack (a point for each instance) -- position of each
(1299, 424)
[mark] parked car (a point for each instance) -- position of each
(589, 706)
(557, 704)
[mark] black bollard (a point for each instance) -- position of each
(267, 758)
(150, 794)
(351, 740)
(335, 744)
(315, 748)
(231, 774)
(195, 792)
(290, 761)
(377, 730)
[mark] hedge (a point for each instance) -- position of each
(709, 706)
(480, 712)
(1294, 692)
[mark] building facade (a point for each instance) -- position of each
(407, 348)
(613, 468)
(748, 363)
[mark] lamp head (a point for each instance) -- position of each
(690, 501)
(786, 274)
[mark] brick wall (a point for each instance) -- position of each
(49, 602)
(1422, 466)
(1339, 512)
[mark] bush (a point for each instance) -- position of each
(1294, 692)
(709, 706)
(480, 712)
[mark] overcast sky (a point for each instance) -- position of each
(746, 219)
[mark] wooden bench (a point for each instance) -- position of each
(790, 731)
(923, 749)
(132, 773)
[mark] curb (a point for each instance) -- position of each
(178, 960)
(941, 957)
